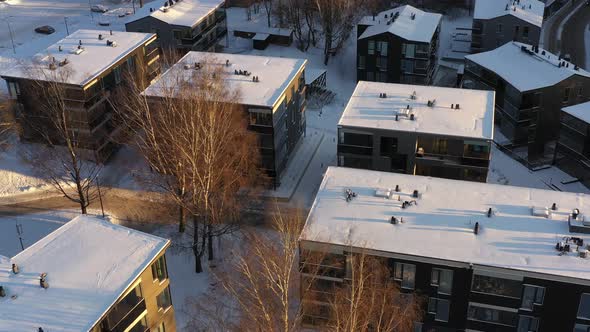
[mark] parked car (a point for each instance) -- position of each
(99, 9)
(45, 29)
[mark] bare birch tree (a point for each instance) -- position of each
(194, 136)
(66, 162)
(370, 300)
(337, 19)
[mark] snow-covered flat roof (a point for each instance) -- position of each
(186, 13)
(84, 64)
(407, 22)
(440, 224)
(580, 111)
(526, 70)
(89, 264)
(530, 11)
(274, 75)
(474, 118)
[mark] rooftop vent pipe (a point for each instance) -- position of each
(80, 42)
(476, 228)
(2, 292)
(554, 207)
(415, 194)
(59, 48)
(15, 269)
(42, 282)
(397, 188)
(227, 62)
(412, 117)
(489, 212)
(575, 213)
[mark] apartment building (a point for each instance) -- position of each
(183, 25)
(422, 130)
(532, 86)
(88, 275)
(90, 66)
(484, 257)
(398, 46)
(272, 92)
(497, 22)
(572, 153)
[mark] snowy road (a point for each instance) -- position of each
(565, 33)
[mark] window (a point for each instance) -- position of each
(382, 63)
(382, 47)
(161, 328)
(497, 286)
(131, 63)
(580, 91)
(362, 62)
(388, 146)
(406, 273)
(532, 295)
(421, 64)
(407, 66)
(356, 139)
(440, 309)
(494, 315)
(499, 28)
(528, 324)
(582, 328)
(381, 77)
(566, 95)
(440, 146)
(163, 300)
(371, 47)
(13, 89)
(584, 308)
(261, 119)
(443, 279)
(177, 34)
(370, 76)
(159, 271)
(525, 32)
(408, 50)
(516, 30)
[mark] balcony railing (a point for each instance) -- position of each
(353, 149)
(454, 160)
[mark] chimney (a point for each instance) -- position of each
(476, 228)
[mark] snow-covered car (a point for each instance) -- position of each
(45, 29)
(99, 9)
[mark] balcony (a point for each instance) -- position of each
(448, 160)
(353, 149)
(220, 15)
(124, 313)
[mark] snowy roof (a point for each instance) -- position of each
(184, 12)
(526, 70)
(89, 264)
(440, 225)
(274, 75)
(81, 68)
(474, 118)
(580, 111)
(410, 24)
(530, 11)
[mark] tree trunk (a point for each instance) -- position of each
(210, 244)
(198, 265)
(181, 226)
(83, 207)
(327, 45)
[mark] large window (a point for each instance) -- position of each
(525, 32)
(382, 62)
(362, 62)
(490, 314)
(532, 295)
(566, 95)
(371, 47)
(159, 271)
(443, 279)
(584, 307)
(499, 28)
(261, 119)
(164, 301)
(406, 273)
(496, 286)
(528, 324)
(409, 50)
(356, 139)
(388, 146)
(440, 309)
(382, 47)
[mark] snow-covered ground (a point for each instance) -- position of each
(455, 37)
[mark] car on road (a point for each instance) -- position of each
(99, 9)
(45, 29)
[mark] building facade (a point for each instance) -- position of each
(183, 26)
(274, 103)
(497, 22)
(532, 86)
(398, 46)
(572, 152)
(89, 289)
(398, 128)
(467, 276)
(86, 68)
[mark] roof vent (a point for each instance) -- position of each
(42, 280)
(187, 66)
(554, 207)
(15, 268)
(63, 62)
(575, 214)
(383, 95)
(349, 194)
(457, 106)
(383, 193)
(197, 65)
(541, 212)
(476, 228)
(413, 95)
(2, 292)
(80, 42)
(255, 79)
(227, 62)
(77, 50)
(406, 204)
(397, 188)
(412, 117)
(396, 117)
(100, 37)
(415, 194)
(111, 43)
(52, 66)
(583, 253)
(59, 48)
(431, 103)
(413, 16)
(395, 221)
(490, 212)
(151, 10)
